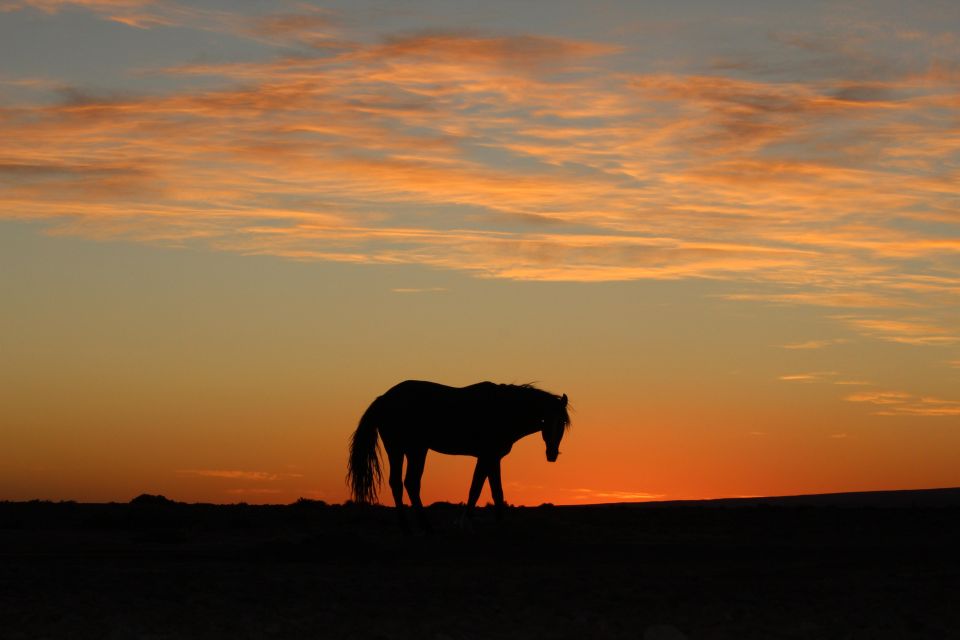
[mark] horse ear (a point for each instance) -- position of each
(563, 401)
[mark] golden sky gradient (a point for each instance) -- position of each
(730, 235)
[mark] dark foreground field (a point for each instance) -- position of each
(868, 566)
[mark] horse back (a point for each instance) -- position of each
(427, 399)
(454, 420)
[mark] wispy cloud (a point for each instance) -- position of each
(814, 344)
(299, 25)
(53, 6)
(823, 377)
(139, 14)
(898, 403)
(235, 474)
(814, 376)
(471, 48)
(915, 331)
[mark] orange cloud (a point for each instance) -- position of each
(233, 474)
(910, 331)
(292, 23)
(53, 6)
(815, 376)
(897, 403)
(466, 47)
(813, 344)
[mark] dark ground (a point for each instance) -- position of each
(807, 568)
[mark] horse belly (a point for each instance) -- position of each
(453, 442)
(453, 450)
(455, 437)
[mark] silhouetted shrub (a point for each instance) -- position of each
(146, 499)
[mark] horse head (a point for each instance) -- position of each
(554, 423)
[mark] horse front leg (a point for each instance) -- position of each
(496, 487)
(476, 486)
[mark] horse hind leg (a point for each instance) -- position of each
(415, 464)
(395, 458)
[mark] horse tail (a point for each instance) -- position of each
(363, 468)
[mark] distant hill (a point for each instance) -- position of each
(946, 497)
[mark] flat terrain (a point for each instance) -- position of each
(863, 566)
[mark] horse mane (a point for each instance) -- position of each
(529, 390)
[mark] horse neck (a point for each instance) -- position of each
(522, 431)
(521, 428)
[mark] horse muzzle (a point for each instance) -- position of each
(552, 455)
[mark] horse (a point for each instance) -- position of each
(482, 420)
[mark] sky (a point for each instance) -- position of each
(729, 232)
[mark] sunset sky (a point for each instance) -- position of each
(728, 231)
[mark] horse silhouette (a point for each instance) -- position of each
(483, 420)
